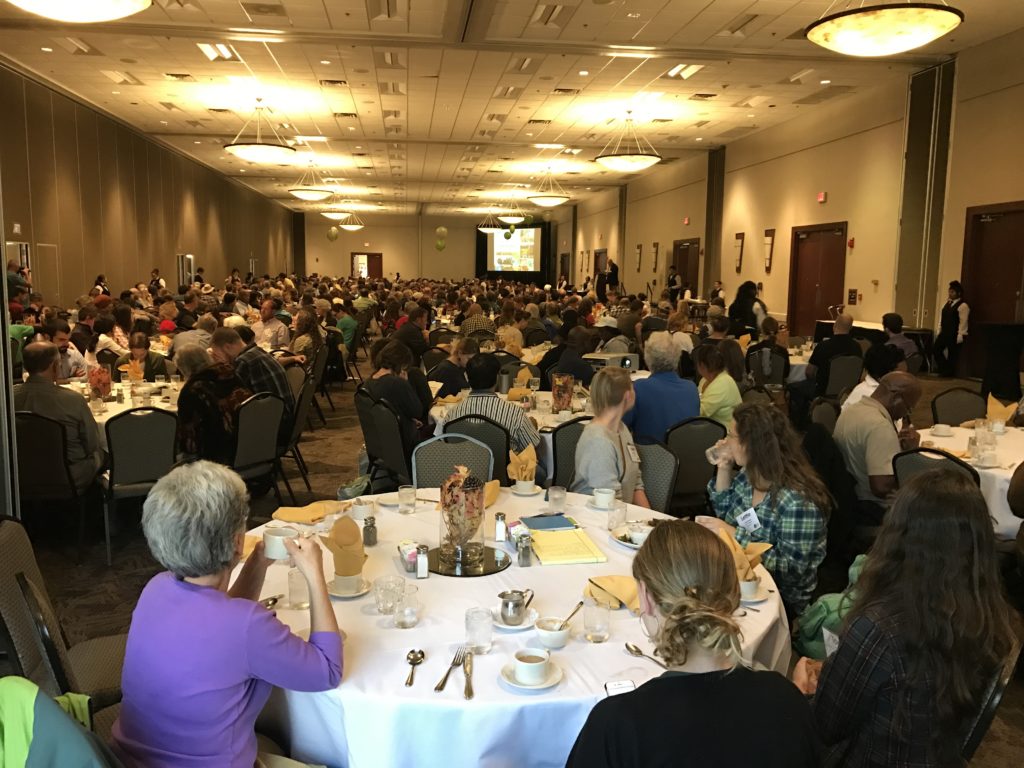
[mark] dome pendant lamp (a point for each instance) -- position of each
(883, 29)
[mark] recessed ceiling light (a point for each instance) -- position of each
(633, 15)
(256, 30)
(325, 61)
(826, 82)
(351, 128)
(197, 142)
(549, 146)
(242, 170)
(116, 93)
(46, 50)
(699, 139)
(751, 114)
(163, 122)
(584, 72)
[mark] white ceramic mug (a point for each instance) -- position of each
(347, 585)
(748, 589)
(531, 665)
(603, 497)
(524, 486)
(361, 509)
(273, 542)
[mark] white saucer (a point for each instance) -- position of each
(622, 530)
(554, 678)
(979, 465)
(388, 500)
(536, 489)
(364, 587)
(934, 433)
(762, 595)
(591, 505)
(528, 620)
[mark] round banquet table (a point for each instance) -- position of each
(166, 397)
(995, 480)
(372, 719)
(798, 367)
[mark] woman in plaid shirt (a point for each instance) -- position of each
(776, 498)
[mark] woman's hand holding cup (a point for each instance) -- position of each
(308, 558)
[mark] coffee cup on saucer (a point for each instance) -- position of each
(273, 542)
(531, 665)
(524, 487)
(942, 430)
(748, 589)
(347, 585)
(603, 498)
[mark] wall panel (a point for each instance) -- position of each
(68, 188)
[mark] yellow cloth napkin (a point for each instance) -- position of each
(516, 394)
(744, 342)
(491, 490)
(969, 424)
(311, 513)
(746, 559)
(523, 377)
(249, 544)
(996, 410)
(523, 466)
(345, 542)
(615, 591)
(450, 399)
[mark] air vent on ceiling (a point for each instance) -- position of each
(487, 134)
(220, 110)
(742, 26)
(566, 91)
(180, 77)
(194, 123)
(391, 114)
(538, 121)
(571, 151)
(360, 154)
(388, 60)
(551, 15)
(753, 101)
(170, 106)
(825, 94)
(683, 71)
(391, 88)
(494, 170)
(346, 115)
(508, 92)
(523, 65)
(735, 133)
(388, 10)
(662, 120)
(333, 83)
(263, 9)
(495, 117)
(701, 123)
(218, 51)
(76, 46)
(703, 96)
(121, 78)
(392, 129)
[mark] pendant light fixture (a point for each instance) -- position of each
(310, 186)
(335, 215)
(259, 151)
(513, 214)
(882, 29)
(549, 192)
(490, 225)
(83, 11)
(353, 223)
(628, 152)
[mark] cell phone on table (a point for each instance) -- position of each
(615, 687)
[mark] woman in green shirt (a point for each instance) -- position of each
(719, 394)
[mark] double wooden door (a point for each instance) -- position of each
(816, 276)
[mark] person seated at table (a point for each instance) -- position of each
(72, 364)
(719, 394)
(203, 655)
(742, 317)
(892, 322)
(879, 359)
(533, 321)
(815, 382)
(610, 338)
(452, 372)
(871, 432)
(308, 339)
(663, 399)
(606, 456)
(257, 369)
(153, 364)
(102, 340)
(687, 716)
(199, 336)
(185, 318)
(391, 381)
(269, 330)
(510, 334)
(346, 322)
(414, 334)
(579, 343)
(482, 373)
(208, 406)
(928, 632)
(40, 394)
(715, 328)
(788, 499)
(760, 354)
(735, 365)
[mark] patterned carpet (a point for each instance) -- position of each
(94, 600)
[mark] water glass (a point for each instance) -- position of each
(534, 383)
(176, 381)
(160, 379)
(298, 590)
(556, 498)
(478, 630)
(406, 499)
(596, 621)
(616, 515)
(408, 608)
(386, 592)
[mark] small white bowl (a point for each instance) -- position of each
(549, 635)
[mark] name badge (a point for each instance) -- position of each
(831, 641)
(634, 454)
(748, 520)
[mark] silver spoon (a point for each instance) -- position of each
(633, 650)
(270, 602)
(414, 658)
(568, 618)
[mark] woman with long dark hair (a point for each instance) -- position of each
(789, 501)
(742, 318)
(928, 630)
(122, 324)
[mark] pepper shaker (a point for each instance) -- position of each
(524, 550)
(369, 531)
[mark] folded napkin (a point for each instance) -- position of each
(311, 513)
(523, 376)
(746, 559)
(614, 591)
(523, 466)
(450, 399)
(969, 424)
(998, 411)
(249, 544)
(744, 342)
(516, 394)
(491, 490)
(345, 542)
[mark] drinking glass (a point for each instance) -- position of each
(478, 630)
(386, 592)
(534, 383)
(160, 379)
(298, 590)
(406, 499)
(176, 381)
(616, 515)
(556, 498)
(596, 620)
(408, 608)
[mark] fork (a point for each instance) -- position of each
(457, 660)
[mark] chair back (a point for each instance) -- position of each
(826, 413)
(482, 335)
(107, 357)
(259, 423)
(141, 443)
(865, 344)
(906, 464)
(44, 473)
(491, 434)
(915, 362)
(957, 405)
(505, 358)
(388, 427)
(767, 366)
(434, 460)
(757, 395)
(296, 376)
(441, 336)
(48, 634)
(689, 440)
(563, 447)
(843, 373)
(364, 403)
(18, 558)
(658, 467)
(990, 702)
(319, 364)
(535, 336)
(432, 357)
(513, 367)
(303, 402)
(15, 346)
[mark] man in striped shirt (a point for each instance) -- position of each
(482, 373)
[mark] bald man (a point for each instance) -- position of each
(815, 382)
(870, 432)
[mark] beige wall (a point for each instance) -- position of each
(96, 197)
(987, 144)
(597, 227)
(853, 151)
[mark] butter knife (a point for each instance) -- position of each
(467, 667)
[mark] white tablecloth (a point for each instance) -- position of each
(995, 481)
(112, 409)
(373, 720)
(797, 367)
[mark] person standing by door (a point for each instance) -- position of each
(675, 284)
(613, 274)
(952, 330)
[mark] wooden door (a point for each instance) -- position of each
(686, 259)
(816, 276)
(600, 260)
(564, 266)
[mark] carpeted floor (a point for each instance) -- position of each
(94, 600)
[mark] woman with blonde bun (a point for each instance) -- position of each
(707, 709)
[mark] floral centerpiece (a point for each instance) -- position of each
(99, 381)
(561, 392)
(462, 517)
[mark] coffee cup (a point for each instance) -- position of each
(564, 415)
(638, 533)
(361, 509)
(273, 542)
(748, 589)
(524, 486)
(942, 430)
(550, 634)
(531, 665)
(603, 497)
(347, 585)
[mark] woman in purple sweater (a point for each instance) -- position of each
(202, 657)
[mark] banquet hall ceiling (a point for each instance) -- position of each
(437, 105)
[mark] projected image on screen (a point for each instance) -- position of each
(520, 253)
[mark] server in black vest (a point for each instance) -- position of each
(952, 330)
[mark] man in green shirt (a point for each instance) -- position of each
(346, 324)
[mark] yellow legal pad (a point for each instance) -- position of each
(566, 548)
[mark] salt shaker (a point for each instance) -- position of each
(422, 566)
(500, 527)
(524, 551)
(369, 531)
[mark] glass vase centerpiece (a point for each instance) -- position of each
(462, 521)
(561, 392)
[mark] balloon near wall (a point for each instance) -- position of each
(332, 234)
(508, 235)
(440, 244)
(441, 232)
(528, 220)
(511, 227)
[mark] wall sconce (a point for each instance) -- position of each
(639, 255)
(769, 249)
(655, 246)
(739, 252)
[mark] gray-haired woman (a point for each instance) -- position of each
(202, 657)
